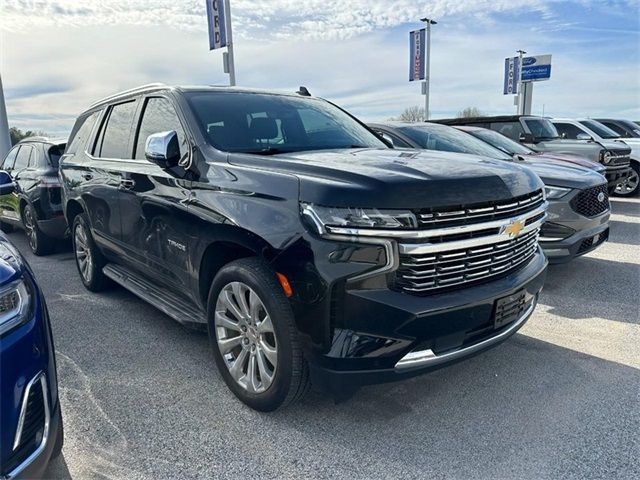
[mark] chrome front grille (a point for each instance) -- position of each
(479, 212)
(426, 273)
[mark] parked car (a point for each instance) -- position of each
(311, 250)
(31, 431)
(579, 211)
(624, 128)
(36, 203)
(539, 134)
(593, 130)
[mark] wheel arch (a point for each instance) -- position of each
(72, 209)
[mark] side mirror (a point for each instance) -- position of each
(163, 149)
(584, 136)
(6, 183)
(526, 138)
(563, 135)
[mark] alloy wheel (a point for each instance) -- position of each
(30, 228)
(630, 185)
(83, 253)
(245, 337)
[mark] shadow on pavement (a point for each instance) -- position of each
(584, 289)
(58, 469)
(625, 207)
(625, 232)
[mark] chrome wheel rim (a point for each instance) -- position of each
(83, 253)
(29, 227)
(630, 185)
(245, 337)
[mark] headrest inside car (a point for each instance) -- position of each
(263, 128)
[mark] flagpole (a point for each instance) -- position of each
(231, 64)
(5, 137)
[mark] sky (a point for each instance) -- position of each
(59, 56)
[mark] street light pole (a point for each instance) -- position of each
(5, 138)
(427, 74)
(231, 63)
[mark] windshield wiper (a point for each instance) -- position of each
(266, 151)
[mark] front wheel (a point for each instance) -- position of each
(630, 187)
(89, 259)
(40, 243)
(254, 338)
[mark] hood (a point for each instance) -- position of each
(620, 147)
(565, 159)
(634, 144)
(11, 264)
(388, 178)
(567, 176)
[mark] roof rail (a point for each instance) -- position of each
(35, 138)
(128, 92)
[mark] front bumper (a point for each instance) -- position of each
(387, 336)
(616, 175)
(55, 227)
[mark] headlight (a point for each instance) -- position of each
(338, 217)
(605, 156)
(15, 301)
(553, 193)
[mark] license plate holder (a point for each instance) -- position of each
(508, 309)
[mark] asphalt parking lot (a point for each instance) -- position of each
(561, 399)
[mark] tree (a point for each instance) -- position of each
(16, 134)
(411, 114)
(469, 112)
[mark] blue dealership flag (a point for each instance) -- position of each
(417, 54)
(217, 26)
(511, 76)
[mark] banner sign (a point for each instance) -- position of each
(535, 69)
(217, 25)
(417, 49)
(511, 72)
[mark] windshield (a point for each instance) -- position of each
(541, 128)
(632, 128)
(270, 124)
(599, 129)
(498, 140)
(449, 139)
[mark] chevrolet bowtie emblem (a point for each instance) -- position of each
(514, 228)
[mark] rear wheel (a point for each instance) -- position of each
(254, 338)
(89, 259)
(40, 243)
(630, 187)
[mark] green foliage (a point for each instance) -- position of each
(16, 134)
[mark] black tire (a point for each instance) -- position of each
(291, 377)
(39, 242)
(6, 227)
(621, 190)
(92, 278)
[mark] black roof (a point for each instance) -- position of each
(471, 120)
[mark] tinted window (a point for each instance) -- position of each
(599, 129)
(117, 131)
(567, 130)
(449, 139)
(55, 152)
(508, 129)
(541, 128)
(159, 116)
(24, 155)
(397, 141)
(267, 124)
(616, 128)
(498, 140)
(10, 159)
(78, 141)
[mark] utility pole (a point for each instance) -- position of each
(521, 94)
(427, 74)
(230, 60)
(5, 138)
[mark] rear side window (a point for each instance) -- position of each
(508, 129)
(10, 159)
(83, 130)
(55, 152)
(159, 116)
(114, 141)
(23, 158)
(616, 128)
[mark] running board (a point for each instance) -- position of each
(177, 308)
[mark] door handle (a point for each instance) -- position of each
(127, 183)
(87, 176)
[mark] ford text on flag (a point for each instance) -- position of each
(511, 73)
(217, 26)
(417, 48)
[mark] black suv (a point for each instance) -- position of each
(36, 202)
(311, 250)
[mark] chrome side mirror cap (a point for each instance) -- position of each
(163, 149)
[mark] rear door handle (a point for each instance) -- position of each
(127, 183)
